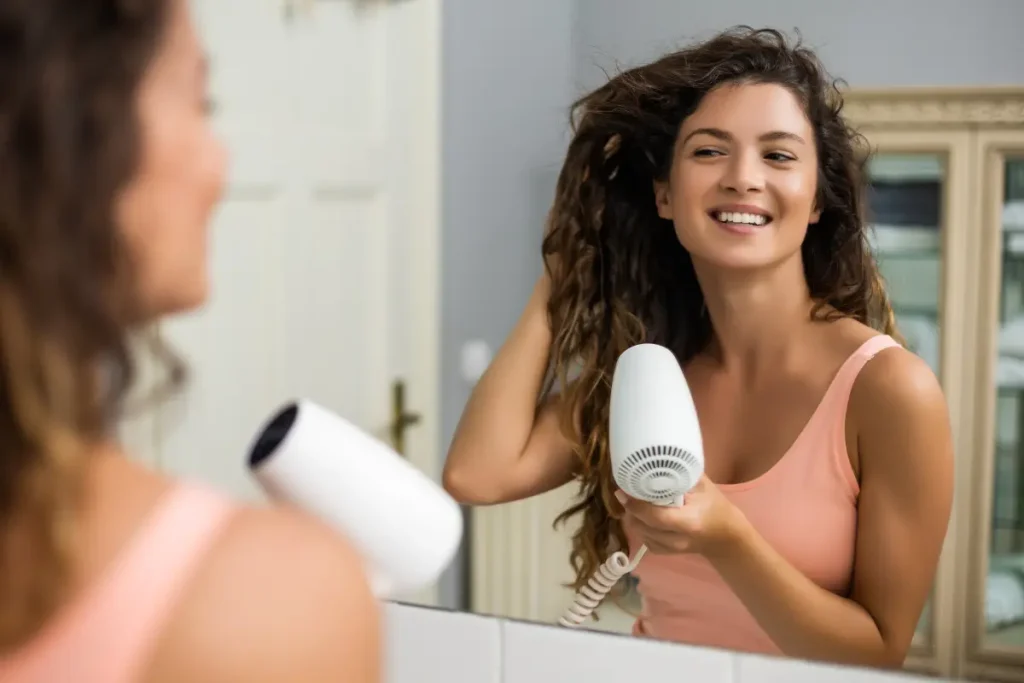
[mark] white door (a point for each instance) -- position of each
(325, 251)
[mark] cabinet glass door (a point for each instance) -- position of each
(1000, 616)
(906, 207)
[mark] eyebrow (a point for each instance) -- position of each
(770, 136)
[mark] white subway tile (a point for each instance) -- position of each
(426, 645)
(535, 653)
(758, 669)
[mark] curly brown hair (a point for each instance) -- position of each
(69, 143)
(619, 275)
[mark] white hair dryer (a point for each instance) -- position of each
(657, 453)
(406, 527)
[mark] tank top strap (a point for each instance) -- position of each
(109, 633)
(842, 383)
(159, 570)
(838, 400)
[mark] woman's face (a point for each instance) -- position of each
(741, 191)
(166, 207)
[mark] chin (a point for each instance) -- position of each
(182, 300)
(192, 300)
(739, 257)
(742, 255)
(738, 262)
(154, 302)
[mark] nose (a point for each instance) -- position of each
(744, 173)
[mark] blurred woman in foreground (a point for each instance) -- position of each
(109, 173)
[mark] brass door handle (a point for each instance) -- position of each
(400, 418)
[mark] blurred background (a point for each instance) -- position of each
(392, 167)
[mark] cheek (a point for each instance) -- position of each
(688, 197)
(191, 171)
(166, 211)
(188, 173)
(211, 170)
(798, 191)
(690, 187)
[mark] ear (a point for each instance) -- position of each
(663, 199)
(815, 212)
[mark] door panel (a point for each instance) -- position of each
(313, 294)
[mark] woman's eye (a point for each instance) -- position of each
(778, 157)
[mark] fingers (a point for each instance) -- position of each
(658, 541)
(703, 484)
(691, 527)
(656, 548)
(656, 516)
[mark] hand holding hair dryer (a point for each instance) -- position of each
(657, 452)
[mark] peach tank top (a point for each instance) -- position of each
(805, 507)
(108, 633)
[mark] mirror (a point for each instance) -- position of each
(908, 195)
(1004, 587)
(434, 190)
(994, 625)
(925, 211)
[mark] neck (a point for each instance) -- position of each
(757, 317)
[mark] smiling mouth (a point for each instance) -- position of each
(741, 218)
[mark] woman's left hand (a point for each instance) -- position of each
(706, 523)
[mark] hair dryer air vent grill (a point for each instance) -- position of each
(658, 474)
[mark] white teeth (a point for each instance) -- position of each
(741, 218)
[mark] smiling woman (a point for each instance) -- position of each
(713, 202)
(744, 137)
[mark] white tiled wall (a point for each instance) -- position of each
(439, 646)
(532, 653)
(436, 646)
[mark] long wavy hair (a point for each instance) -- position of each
(69, 143)
(619, 275)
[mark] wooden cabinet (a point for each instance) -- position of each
(947, 206)
(948, 214)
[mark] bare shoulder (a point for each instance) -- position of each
(281, 598)
(898, 384)
(900, 413)
(895, 379)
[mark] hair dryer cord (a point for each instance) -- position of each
(604, 579)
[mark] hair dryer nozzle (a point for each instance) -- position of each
(273, 434)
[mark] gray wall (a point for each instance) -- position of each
(511, 68)
(506, 76)
(868, 43)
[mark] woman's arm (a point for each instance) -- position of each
(906, 468)
(504, 447)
